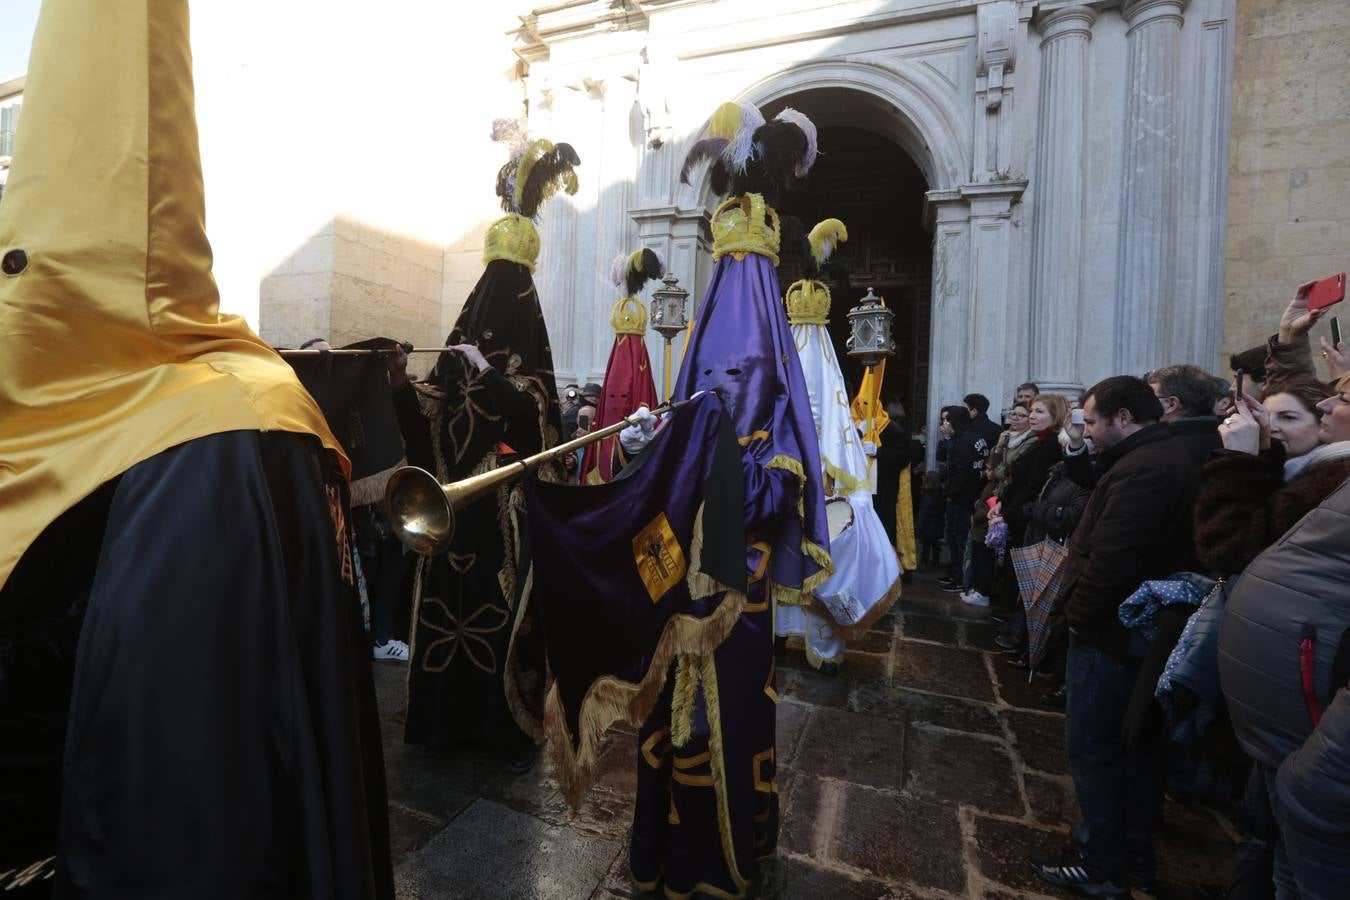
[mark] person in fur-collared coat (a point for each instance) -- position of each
(1275, 469)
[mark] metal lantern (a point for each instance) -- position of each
(869, 324)
(668, 316)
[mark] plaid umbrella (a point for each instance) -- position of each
(1040, 574)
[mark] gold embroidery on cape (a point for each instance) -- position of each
(656, 741)
(339, 517)
(470, 634)
(688, 762)
(688, 780)
(659, 557)
(763, 785)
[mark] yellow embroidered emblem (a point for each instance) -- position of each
(659, 557)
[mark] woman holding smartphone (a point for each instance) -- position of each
(1282, 456)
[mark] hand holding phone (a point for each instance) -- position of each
(1335, 332)
(1326, 292)
(1239, 380)
(1336, 357)
(1076, 417)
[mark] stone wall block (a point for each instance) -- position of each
(1257, 199)
(351, 257)
(1311, 238)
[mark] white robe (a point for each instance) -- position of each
(865, 563)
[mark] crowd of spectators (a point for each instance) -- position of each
(1199, 635)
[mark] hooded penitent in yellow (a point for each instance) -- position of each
(112, 348)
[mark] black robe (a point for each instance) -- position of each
(477, 657)
(185, 685)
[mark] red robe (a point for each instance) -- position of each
(628, 385)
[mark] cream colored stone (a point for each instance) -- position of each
(1289, 182)
(1259, 198)
(1311, 238)
(1321, 194)
(1250, 244)
(351, 257)
(315, 256)
(1287, 149)
(1333, 89)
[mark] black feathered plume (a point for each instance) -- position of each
(551, 172)
(708, 148)
(645, 267)
(779, 147)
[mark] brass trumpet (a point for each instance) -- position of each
(422, 510)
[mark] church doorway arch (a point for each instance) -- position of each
(878, 191)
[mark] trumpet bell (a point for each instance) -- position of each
(420, 511)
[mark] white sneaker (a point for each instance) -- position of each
(974, 598)
(395, 650)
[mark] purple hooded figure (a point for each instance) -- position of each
(707, 803)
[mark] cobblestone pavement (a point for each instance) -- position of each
(924, 770)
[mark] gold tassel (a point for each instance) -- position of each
(682, 701)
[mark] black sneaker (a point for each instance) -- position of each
(1073, 871)
(951, 588)
(1055, 699)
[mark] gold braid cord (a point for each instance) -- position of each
(610, 698)
(719, 770)
(818, 554)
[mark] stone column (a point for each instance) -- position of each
(1057, 224)
(950, 343)
(1145, 280)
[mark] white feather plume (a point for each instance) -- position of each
(809, 129)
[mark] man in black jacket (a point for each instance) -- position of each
(965, 451)
(1137, 526)
(978, 407)
(1187, 396)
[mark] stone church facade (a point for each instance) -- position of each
(1075, 154)
(1085, 176)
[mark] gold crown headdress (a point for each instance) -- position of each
(808, 300)
(534, 173)
(631, 272)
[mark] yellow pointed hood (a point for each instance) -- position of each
(112, 347)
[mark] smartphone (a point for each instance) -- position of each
(1335, 332)
(1239, 383)
(1327, 292)
(1076, 417)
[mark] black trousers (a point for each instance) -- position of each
(212, 686)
